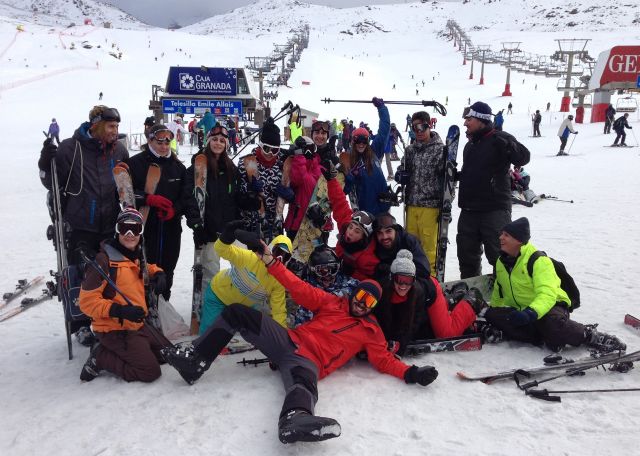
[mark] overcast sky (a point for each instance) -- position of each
(163, 12)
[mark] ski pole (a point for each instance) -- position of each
(439, 107)
(634, 137)
(572, 141)
(555, 198)
(545, 394)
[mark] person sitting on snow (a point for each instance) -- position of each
(341, 327)
(534, 308)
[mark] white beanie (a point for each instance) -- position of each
(403, 264)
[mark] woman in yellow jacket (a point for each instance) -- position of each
(126, 347)
(247, 281)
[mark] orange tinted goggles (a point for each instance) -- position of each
(367, 298)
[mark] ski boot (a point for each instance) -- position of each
(90, 370)
(85, 336)
(301, 426)
(490, 334)
(475, 298)
(604, 343)
(189, 364)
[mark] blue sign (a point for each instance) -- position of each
(196, 81)
(217, 107)
(638, 82)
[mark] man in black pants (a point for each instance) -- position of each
(485, 188)
(341, 328)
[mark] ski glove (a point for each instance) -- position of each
(131, 313)
(422, 375)
(200, 237)
(47, 154)
(159, 283)
(159, 202)
(316, 215)
(522, 317)
(286, 193)
(402, 177)
(328, 169)
(575, 132)
(377, 102)
(256, 185)
(166, 215)
(250, 239)
(228, 234)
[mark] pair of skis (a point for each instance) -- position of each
(200, 194)
(27, 303)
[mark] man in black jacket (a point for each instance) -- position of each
(485, 189)
(84, 165)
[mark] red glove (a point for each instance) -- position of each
(159, 202)
(166, 215)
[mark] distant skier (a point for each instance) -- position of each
(537, 118)
(498, 120)
(609, 118)
(618, 126)
(100, 96)
(548, 106)
(566, 127)
(510, 108)
(54, 131)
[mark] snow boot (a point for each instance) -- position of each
(86, 337)
(490, 334)
(604, 343)
(189, 364)
(90, 370)
(475, 298)
(301, 426)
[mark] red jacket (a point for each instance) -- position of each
(363, 262)
(304, 175)
(333, 336)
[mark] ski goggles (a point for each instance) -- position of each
(319, 125)
(167, 135)
(219, 130)
(366, 298)
(126, 227)
(361, 139)
(163, 140)
(107, 114)
(421, 127)
(325, 270)
(400, 279)
(281, 251)
(267, 149)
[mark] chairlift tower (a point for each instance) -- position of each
(261, 65)
(569, 50)
(484, 48)
(509, 47)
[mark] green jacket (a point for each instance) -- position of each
(518, 290)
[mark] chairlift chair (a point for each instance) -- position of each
(627, 104)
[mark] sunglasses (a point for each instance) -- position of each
(366, 298)
(107, 114)
(281, 251)
(321, 126)
(125, 228)
(270, 149)
(219, 130)
(325, 270)
(420, 128)
(403, 279)
(162, 140)
(361, 139)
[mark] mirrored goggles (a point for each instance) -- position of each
(420, 128)
(219, 130)
(403, 279)
(162, 140)
(321, 126)
(366, 298)
(361, 139)
(325, 270)
(267, 149)
(126, 227)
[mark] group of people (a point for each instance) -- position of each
(372, 292)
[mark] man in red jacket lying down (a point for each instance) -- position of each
(341, 327)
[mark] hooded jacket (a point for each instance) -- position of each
(424, 163)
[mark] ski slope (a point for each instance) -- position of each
(232, 409)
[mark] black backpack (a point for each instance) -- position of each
(618, 122)
(566, 281)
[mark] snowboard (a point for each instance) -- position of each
(484, 283)
(280, 202)
(448, 194)
(345, 167)
(200, 192)
(309, 236)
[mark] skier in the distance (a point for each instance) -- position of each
(609, 115)
(54, 131)
(421, 172)
(534, 308)
(618, 126)
(566, 127)
(341, 328)
(84, 165)
(537, 118)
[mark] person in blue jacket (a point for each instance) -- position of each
(364, 170)
(207, 122)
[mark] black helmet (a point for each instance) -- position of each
(324, 265)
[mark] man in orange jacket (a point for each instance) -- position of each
(341, 328)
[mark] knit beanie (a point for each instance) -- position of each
(480, 111)
(270, 134)
(370, 286)
(385, 220)
(519, 229)
(403, 264)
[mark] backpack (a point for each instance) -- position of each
(618, 123)
(566, 281)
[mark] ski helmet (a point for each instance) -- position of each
(364, 220)
(324, 265)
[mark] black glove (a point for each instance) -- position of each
(402, 177)
(159, 283)
(316, 215)
(422, 375)
(47, 154)
(199, 235)
(328, 169)
(131, 313)
(286, 153)
(228, 234)
(286, 193)
(250, 239)
(332, 143)
(248, 201)
(377, 102)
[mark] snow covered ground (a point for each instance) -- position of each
(233, 409)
